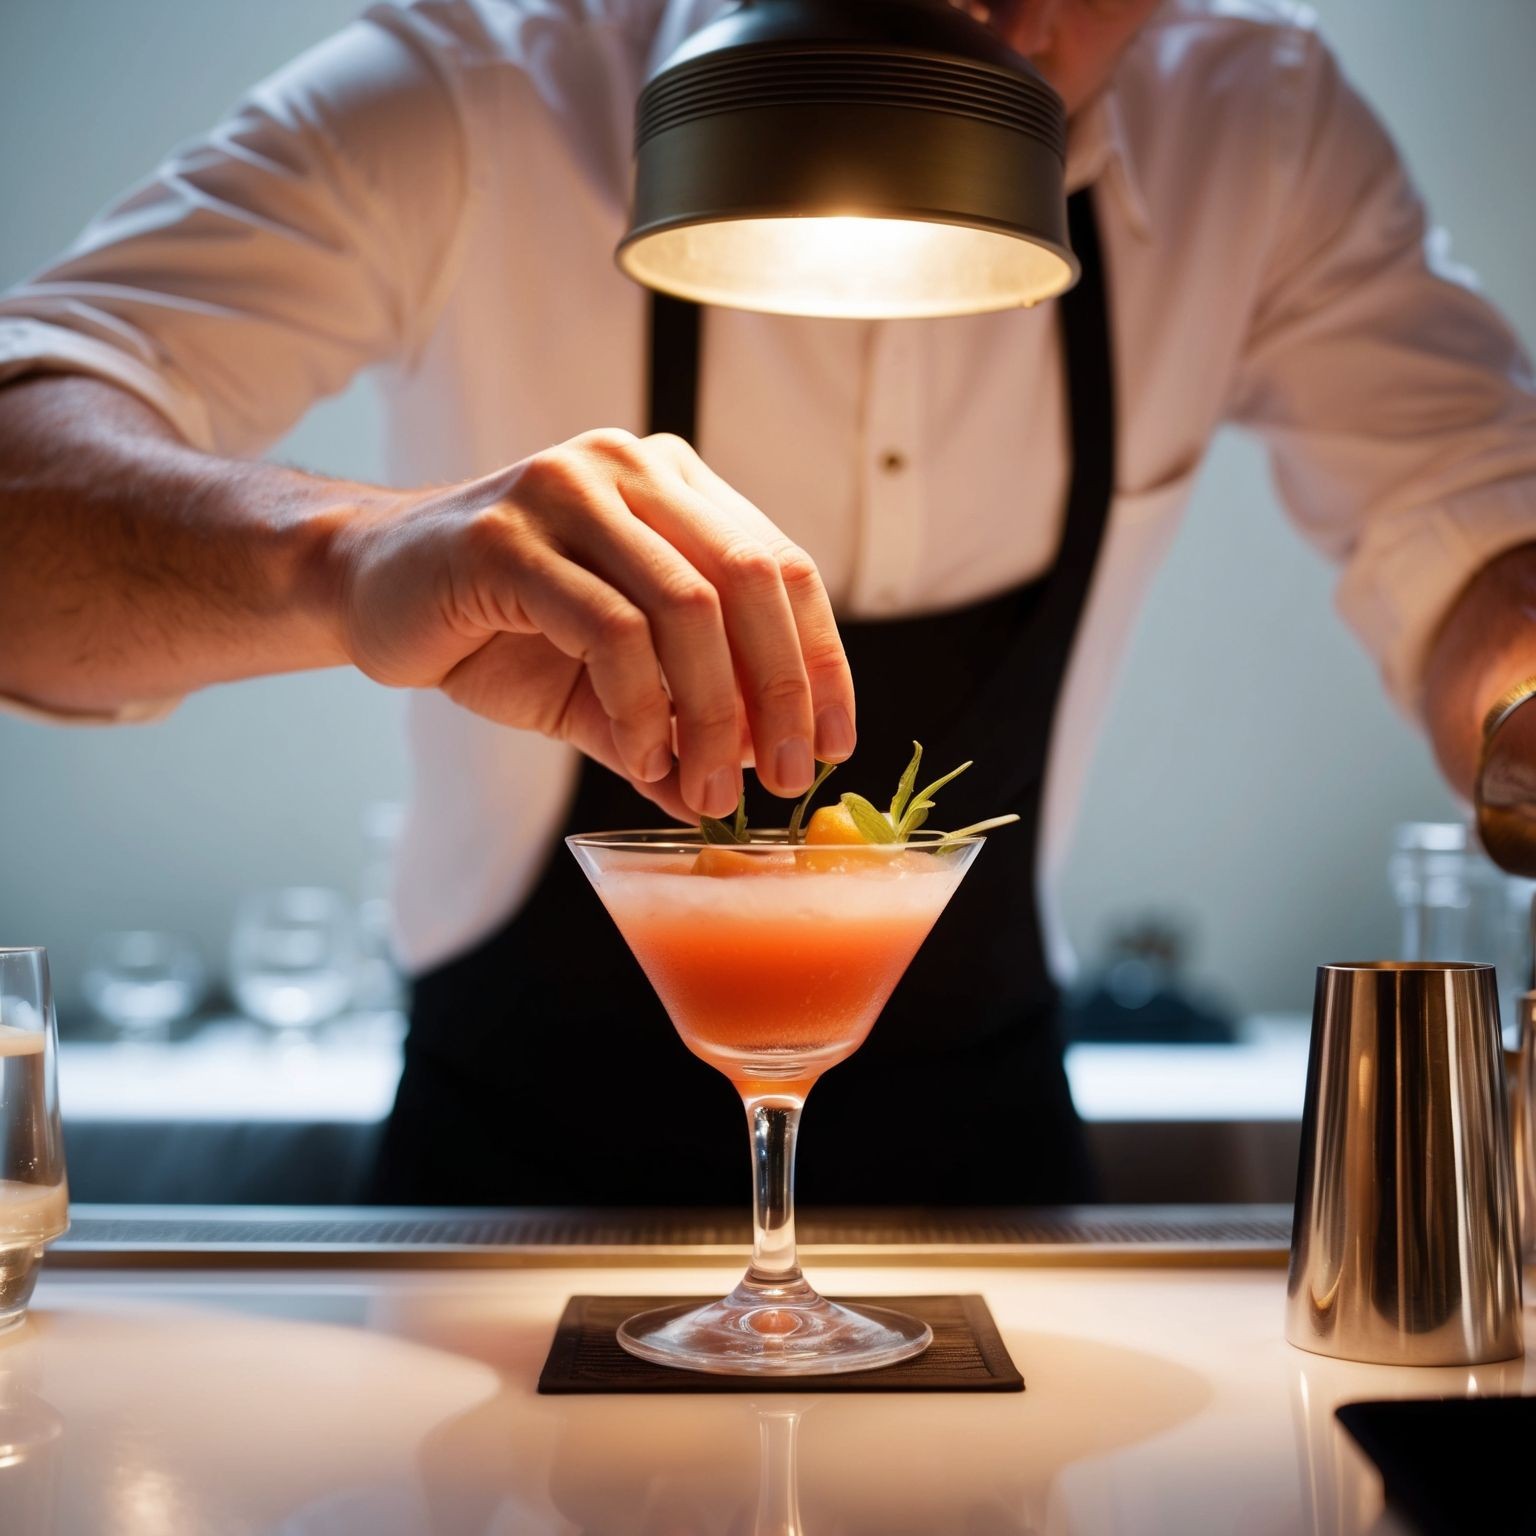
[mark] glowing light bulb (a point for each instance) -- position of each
(849, 266)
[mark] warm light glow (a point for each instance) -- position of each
(848, 267)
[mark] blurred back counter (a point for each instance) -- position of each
(236, 1113)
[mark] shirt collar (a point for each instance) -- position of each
(1098, 146)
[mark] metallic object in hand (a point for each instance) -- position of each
(1403, 1249)
(1505, 792)
(1521, 1065)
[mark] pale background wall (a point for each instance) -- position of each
(1251, 771)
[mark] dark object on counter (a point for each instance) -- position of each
(1452, 1465)
(1138, 996)
(967, 1353)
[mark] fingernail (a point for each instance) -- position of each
(834, 733)
(658, 764)
(793, 764)
(720, 794)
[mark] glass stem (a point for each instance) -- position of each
(774, 1124)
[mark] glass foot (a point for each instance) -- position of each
(795, 1334)
(19, 1269)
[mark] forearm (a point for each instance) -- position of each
(133, 567)
(1486, 645)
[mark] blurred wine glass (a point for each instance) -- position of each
(141, 982)
(292, 955)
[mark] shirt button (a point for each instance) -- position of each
(893, 462)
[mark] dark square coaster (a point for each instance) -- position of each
(967, 1353)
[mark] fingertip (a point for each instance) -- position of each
(793, 767)
(719, 794)
(835, 738)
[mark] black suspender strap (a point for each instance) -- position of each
(1088, 365)
(672, 401)
(1090, 382)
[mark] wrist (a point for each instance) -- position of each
(308, 529)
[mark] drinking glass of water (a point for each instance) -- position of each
(34, 1200)
(291, 958)
(142, 983)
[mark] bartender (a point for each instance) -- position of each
(633, 527)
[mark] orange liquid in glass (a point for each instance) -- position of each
(775, 978)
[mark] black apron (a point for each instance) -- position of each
(541, 1069)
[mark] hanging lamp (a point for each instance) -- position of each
(853, 158)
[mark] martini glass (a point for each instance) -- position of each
(773, 962)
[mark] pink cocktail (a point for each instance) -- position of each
(774, 963)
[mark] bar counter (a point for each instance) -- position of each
(376, 1372)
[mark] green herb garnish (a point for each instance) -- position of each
(909, 810)
(713, 830)
(910, 807)
(951, 838)
(796, 831)
(873, 825)
(734, 831)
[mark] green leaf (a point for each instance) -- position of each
(872, 825)
(734, 831)
(939, 784)
(917, 814)
(904, 785)
(822, 770)
(951, 838)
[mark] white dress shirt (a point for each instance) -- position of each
(436, 192)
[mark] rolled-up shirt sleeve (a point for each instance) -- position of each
(1398, 406)
(308, 237)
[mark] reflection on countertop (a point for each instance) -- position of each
(1341, 1489)
(1158, 1401)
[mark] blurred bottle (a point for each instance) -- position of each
(1454, 903)
(141, 983)
(377, 984)
(292, 956)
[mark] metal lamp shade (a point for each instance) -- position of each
(855, 158)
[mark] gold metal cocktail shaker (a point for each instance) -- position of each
(1404, 1248)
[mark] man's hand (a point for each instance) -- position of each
(1485, 646)
(613, 592)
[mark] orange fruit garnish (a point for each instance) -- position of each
(834, 824)
(834, 828)
(725, 863)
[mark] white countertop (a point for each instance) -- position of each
(312, 1404)
(346, 1073)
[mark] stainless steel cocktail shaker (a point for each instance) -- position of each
(1404, 1248)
